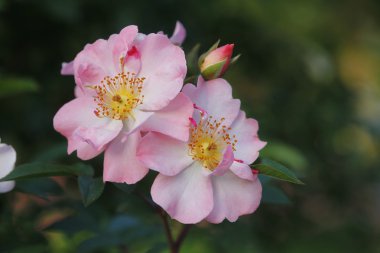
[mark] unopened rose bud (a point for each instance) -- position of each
(215, 62)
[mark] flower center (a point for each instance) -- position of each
(117, 96)
(208, 139)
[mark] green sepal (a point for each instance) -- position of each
(213, 71)
(203, 56)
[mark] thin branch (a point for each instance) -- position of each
(181, 237)
(168, 232)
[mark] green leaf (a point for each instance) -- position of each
(192, 60)
(90, 188)
(41, 187)
(10, 86)
(273, 195)
(286, 154)
(32, 170)
(276, 170)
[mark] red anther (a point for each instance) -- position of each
(255, 172)
(238, 160)
(192, 122)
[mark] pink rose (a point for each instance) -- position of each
(125, 84)
(208, 176)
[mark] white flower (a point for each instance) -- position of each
(7, 163)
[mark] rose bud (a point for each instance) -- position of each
(214, 63)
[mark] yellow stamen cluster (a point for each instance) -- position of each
(208, 139)
(117, 96)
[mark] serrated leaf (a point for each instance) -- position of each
(33, 170)
(10, 86)
(90, 188)
(276, 170)
(41, 187)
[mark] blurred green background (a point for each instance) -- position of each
(309, 73)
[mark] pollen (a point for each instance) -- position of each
(208, 139)
(117, 96)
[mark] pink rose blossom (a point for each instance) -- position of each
(208, 176)
(124, 84)
(7, 163)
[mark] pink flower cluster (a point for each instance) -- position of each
(131, 104)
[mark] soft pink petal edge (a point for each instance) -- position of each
(77, 121)
(186, 197)
(179, 34)
(164, 67)
(173, 120)
(163, 154)
(234, 197)
(215, 97)
(248, 143)
(120, 162)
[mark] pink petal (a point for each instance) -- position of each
(77, 121)
(186, 197)
(179, 34)
(225, 164)
(120, 162)
(173, 120)
(132, 61)
(102, 57)
(248, 143)
(215, 97)
(139, 118)
(85, 150)
(93, 63)
(243, 171)
(164, 67)
(67, 68)
(79, 92)
(233, 197)
(164, 154)
(122, 46)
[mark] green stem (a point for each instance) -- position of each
(174, 245)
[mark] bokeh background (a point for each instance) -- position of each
(309, 73)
